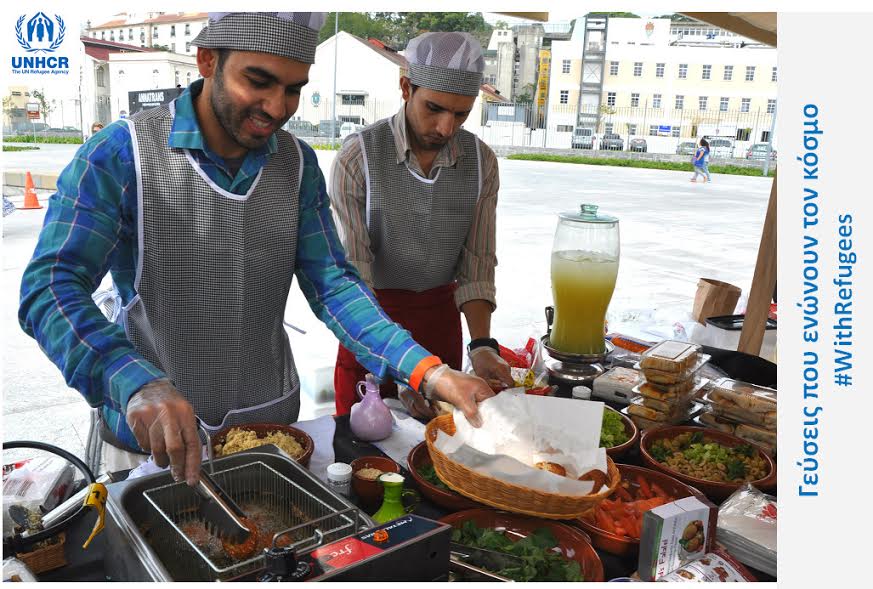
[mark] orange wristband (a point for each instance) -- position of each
(423, 366)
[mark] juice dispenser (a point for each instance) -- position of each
(585, 256)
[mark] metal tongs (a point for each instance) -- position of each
(216, 507)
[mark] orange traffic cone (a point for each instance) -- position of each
(30, 200)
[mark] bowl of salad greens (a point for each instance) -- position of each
(421, 468)
(618, 434)
(713, 461)
(548, 550)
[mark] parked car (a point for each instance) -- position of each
(324, 128)
(301, 128)
(347, 129)
(758, 151)
(638, 144)
(720, 147)
(583, 138)
(612, 141)
(686, 148)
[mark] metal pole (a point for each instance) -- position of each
(770, 142)
(335, 46)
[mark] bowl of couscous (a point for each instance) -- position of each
(294, 442)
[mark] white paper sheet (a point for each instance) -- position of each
(520, 430)
(406, 434)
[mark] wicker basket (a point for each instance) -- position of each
(47, 558)
(508, 496)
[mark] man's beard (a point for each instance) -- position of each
(231, 118)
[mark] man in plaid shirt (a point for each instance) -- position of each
(203, 211)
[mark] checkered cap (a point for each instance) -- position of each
(288, 34)
(447, 62)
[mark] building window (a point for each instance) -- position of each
(635, 99)
(683, 71)
(112, 35)
(659, 70)
(130, 34)
(773, 75)
(656, 101)
(155, 75)
(565, 128)
(188, 79)
(155, 33)
(631, 129)
(187, 29)
(176, 78)
(613, 68)
(723, 105)
(610, 99)
(103, 35)
(680, 102)
(565, 97)
(745, 103)
(565, 66)
(744, 134)
(765, 136)
(771, 106)
(638, 69)
(100, 76)
(707, 72)
(674, 132)
(607, 128)
(187, 47)
(172, 30)
(728, 73)
(702, 102)
(653, 130)
(750, 73)
(352, 99)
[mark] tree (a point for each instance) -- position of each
(360, 24)
(526, 96)
(44, 106)
(412, 24)
(501, 25)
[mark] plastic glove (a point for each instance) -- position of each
(163, 422)
(416, 405)
(464, 391)
(488, 364)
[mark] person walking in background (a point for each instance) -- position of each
(700, 161)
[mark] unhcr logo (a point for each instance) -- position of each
(40, 34)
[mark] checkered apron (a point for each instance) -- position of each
(417, 226)
(213, 276)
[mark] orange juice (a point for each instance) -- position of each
(582, 286)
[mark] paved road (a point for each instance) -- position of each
(673, 232)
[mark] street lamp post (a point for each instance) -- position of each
(335, 46)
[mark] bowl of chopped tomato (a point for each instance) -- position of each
(615, 524)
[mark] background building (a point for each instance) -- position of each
(147, 71)
(160, 30)
(661, 80)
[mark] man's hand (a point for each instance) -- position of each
(488, 365)
(163, 422)
(464, 391)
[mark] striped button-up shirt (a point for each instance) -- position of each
(90, 229)
(348, 194)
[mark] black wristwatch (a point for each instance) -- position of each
(482, 342)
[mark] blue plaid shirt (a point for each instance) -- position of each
(90, 229)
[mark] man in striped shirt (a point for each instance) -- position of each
(203, 211)
(415, 197)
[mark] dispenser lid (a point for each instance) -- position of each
(588, 214)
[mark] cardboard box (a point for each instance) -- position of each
(675, 534)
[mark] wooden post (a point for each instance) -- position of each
(763, 284)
